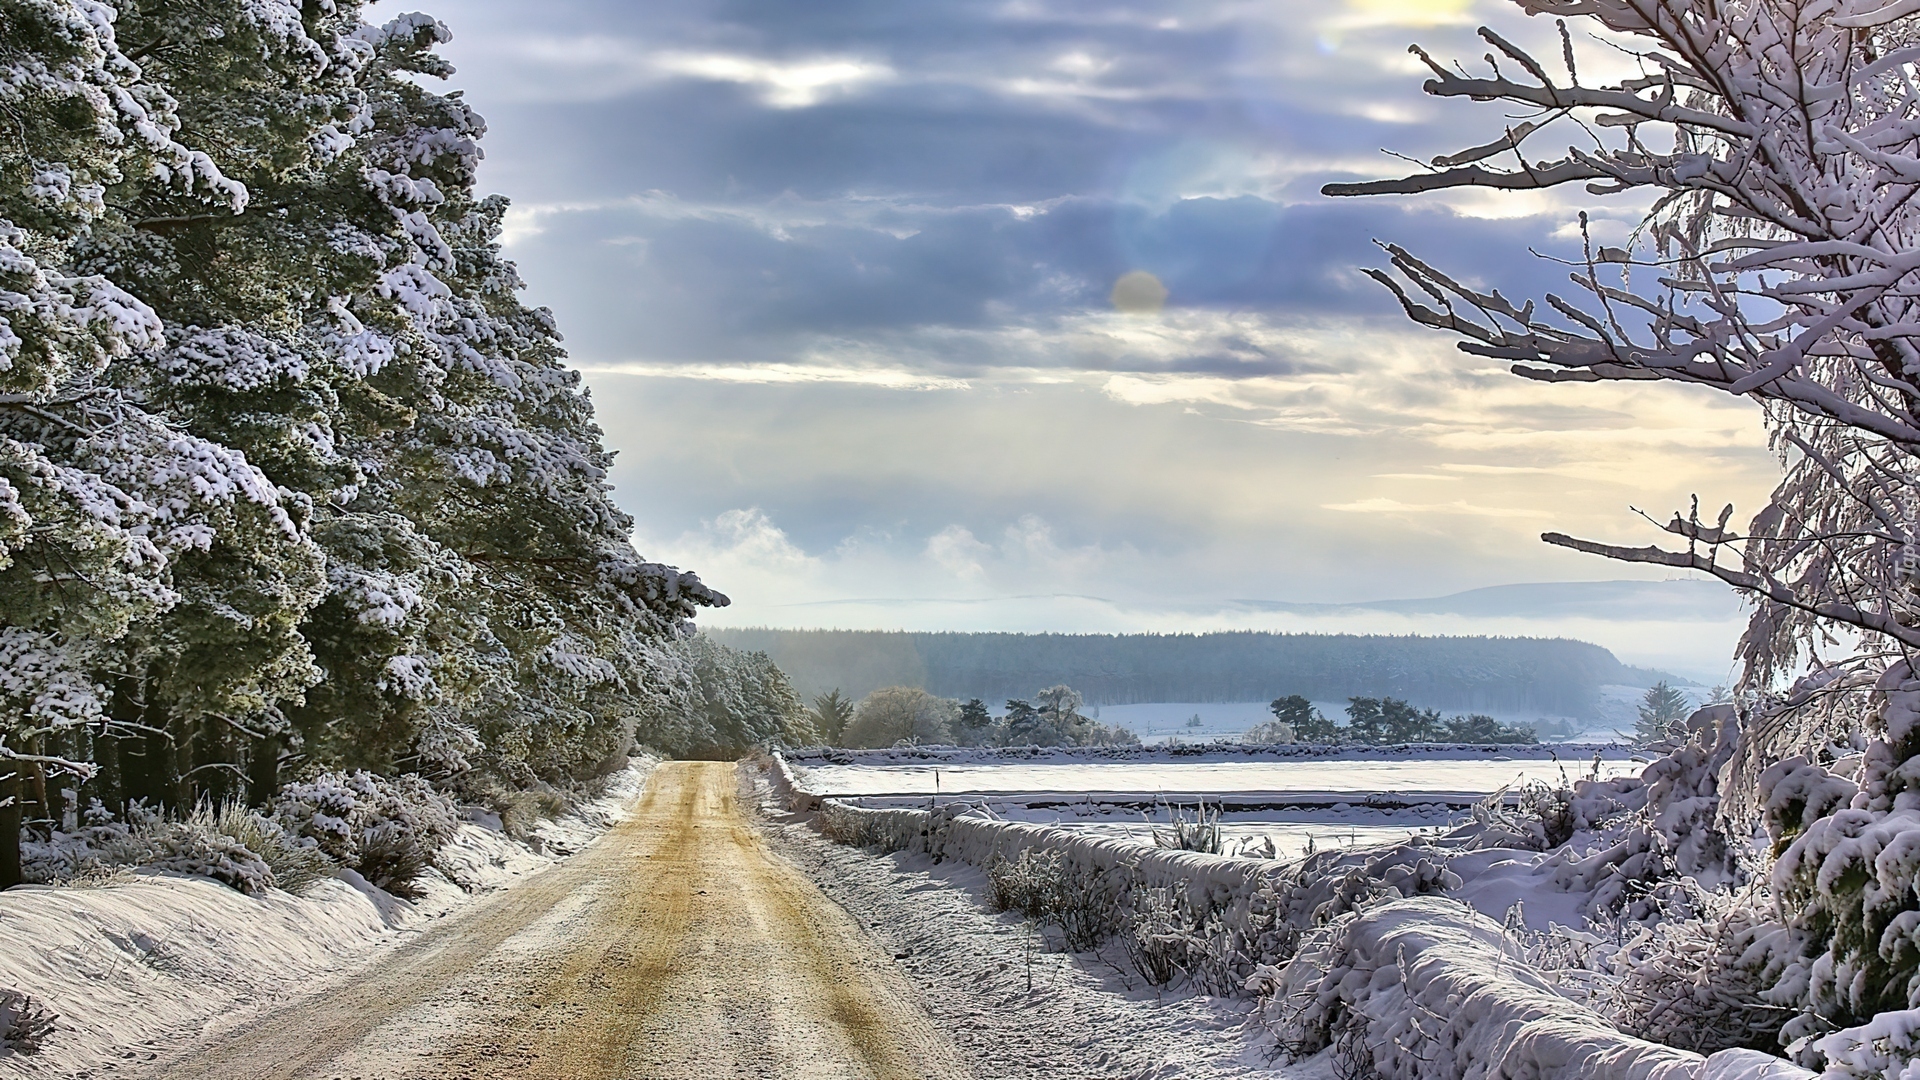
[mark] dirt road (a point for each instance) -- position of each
(675, 946)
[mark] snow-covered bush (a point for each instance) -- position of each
(521, 811)
(1201, 832)
(230, 844)
(1156, 942)
(847, 825)
(1039, 886)
(24, 1022)
(295, 866)
(1428, 989)
(1542, 817)
(1848, 875)
(1698, 979)
(387, 828)
(193, 847)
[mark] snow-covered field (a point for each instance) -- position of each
(147, 960)
(1293, 833)
(1314, 802)
(1447, 772)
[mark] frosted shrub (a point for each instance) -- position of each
(1199, 833)
(1541, 818)
(295, 866)
(387, 828)
(229, 844)
(192, 847)
(24, 1022)
(1040, 886)
(1157, 939)
(1698, 980)
(522, 810)
(1031, 884)
(854, 829)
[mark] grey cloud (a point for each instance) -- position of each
(636, 285)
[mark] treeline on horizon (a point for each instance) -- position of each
(1544, 676)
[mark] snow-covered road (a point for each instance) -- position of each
(676, 946)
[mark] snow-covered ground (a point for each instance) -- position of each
(1293, 833)
(1347, 773)
(148, 960)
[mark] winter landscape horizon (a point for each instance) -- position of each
(1027, 539)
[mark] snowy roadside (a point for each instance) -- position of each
(1015, 1009)
(1393, 943)
(147, 960)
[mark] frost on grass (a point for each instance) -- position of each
(24, 1022)
(387, 829)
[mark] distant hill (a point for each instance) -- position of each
(1524, 676)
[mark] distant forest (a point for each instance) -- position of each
(1539, 676)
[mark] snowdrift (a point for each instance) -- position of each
(1428, 988)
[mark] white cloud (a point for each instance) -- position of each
(887, 378)
(1457, 507)
(791, 84)
(957, 551)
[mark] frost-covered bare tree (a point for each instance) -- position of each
(1777, 142)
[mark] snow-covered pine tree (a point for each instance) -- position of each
(122, 531)
(746, 701)
(372, 528)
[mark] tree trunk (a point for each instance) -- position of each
(153, 773)
(213, 776)
(37, 785)
(263, 770)
(181, 795)
(109, 785)
(10, 825)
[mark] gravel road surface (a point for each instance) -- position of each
(675, 946)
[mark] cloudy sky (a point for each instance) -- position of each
(846, 279)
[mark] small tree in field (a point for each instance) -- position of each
(900, 714)
(1662, 711)
(974, 725)
(830, 714)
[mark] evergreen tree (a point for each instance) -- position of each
(1479, 728)
(1307, 723)
(1022, 725)
(831, 712)
(1378, 721)
(288, 474)
(974, 725)
(1663, 712)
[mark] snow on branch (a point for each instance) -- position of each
(1779, 144)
